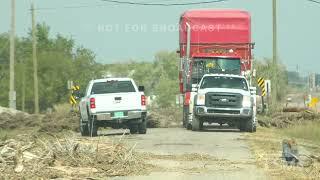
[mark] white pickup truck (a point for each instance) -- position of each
(223, 98)
(113, 102)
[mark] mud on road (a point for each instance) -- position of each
(172, 153)
(175, 153)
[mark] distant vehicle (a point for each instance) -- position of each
(212, 41)
(113, 102)
(224, 99)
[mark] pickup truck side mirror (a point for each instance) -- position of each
(253, 90)
(141, 88)
(195, 88)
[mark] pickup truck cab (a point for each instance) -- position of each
(113, 102)
(224, 98)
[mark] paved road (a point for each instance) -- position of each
(181, 154)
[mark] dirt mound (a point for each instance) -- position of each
(68, 157)
(287, 119)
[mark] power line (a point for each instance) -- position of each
(314, 1)
(131, 3)
(71, 7)
(163, 4)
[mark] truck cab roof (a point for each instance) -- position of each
(216, 55)
(111, 79)
(224, 75)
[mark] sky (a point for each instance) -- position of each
(118, 33)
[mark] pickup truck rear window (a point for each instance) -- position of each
(224, 82)
(112, 87)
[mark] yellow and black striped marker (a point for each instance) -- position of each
(72, 100)
(261, 84)
(75, 88)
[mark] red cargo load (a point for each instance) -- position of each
(217, 30)
(216, 26)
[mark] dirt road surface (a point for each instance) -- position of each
(176, 153)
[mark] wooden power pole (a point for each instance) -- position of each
(23, 93)
(12, 92)
(274, 17)
(275, 53)
(35, 63)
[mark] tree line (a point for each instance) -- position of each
(60, 59)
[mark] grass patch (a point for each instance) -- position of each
(266, 146)
(309, 131)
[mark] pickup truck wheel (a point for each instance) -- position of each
(84, 128)
(242, 126)
(92, 128)
(185, 117)
(196, 124)
(250, 126)
(142, 127)
(133, 129)
(230, 124)
(201, 125)
(189, 126)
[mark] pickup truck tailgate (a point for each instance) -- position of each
(117, 102)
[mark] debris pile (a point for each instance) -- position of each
(67, 157)
(284, 120)
(50, 123)
(164, 118)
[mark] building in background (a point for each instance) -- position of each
(296, 80)
(314, 82)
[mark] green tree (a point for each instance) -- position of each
(59, 60)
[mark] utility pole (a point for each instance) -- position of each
(274, 60)
(12, 92)
(274, 17)
(35, 63)
(23, 98)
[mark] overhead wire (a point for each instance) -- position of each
(143, 3)
(314, 1)
(163, 4)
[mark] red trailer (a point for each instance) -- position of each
(212, 41)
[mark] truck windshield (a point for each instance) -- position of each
(112, 87)
(202, 66)
(224, 82)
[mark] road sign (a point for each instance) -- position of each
(268, 86)
(72, 100)
(262, 85)
(314, 102)
(69, 84)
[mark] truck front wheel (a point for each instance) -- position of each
(196, 124)
(185, 117)
(133, 129)
(250, 125)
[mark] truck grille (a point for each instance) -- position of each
(216, 111)
(223, 100)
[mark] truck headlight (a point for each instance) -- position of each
(201, 99)
(246, 102)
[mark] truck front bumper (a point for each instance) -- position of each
(127, 115)
(204, 111)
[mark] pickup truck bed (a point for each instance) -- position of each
(113, 102)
